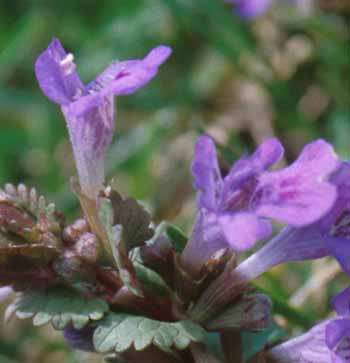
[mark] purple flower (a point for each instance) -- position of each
(338, 330)
(89, 109)
(251, 8)
(310, 347)
(241, 202)
(334, 229)
(326, 342)
(233, 213)
(329, 235)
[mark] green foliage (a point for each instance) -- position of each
(4, 359)
(61, 307)
(215, 55)
(177, 237)
(120, 332)
(150, 279)
(253, 343)
(134, 219)
(115, 234)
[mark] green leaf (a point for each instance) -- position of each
(61, 307)
(177, 237)
(253, 343)
(106, 215)
(150, 279)
(115, 237)
(134, 219)
(94, 215)
(120, 332)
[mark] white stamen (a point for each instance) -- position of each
(68, 59)
(67, 64)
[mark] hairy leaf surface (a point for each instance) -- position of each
(120, 332)
(61, 307)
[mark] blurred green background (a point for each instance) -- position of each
(285, 74)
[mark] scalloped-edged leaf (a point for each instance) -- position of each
(61, 307)
(32, 202)
(25, 217)
(120, 332)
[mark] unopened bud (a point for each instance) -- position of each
(72, 232)
(87, 247)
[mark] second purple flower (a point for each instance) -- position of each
(234, 211)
